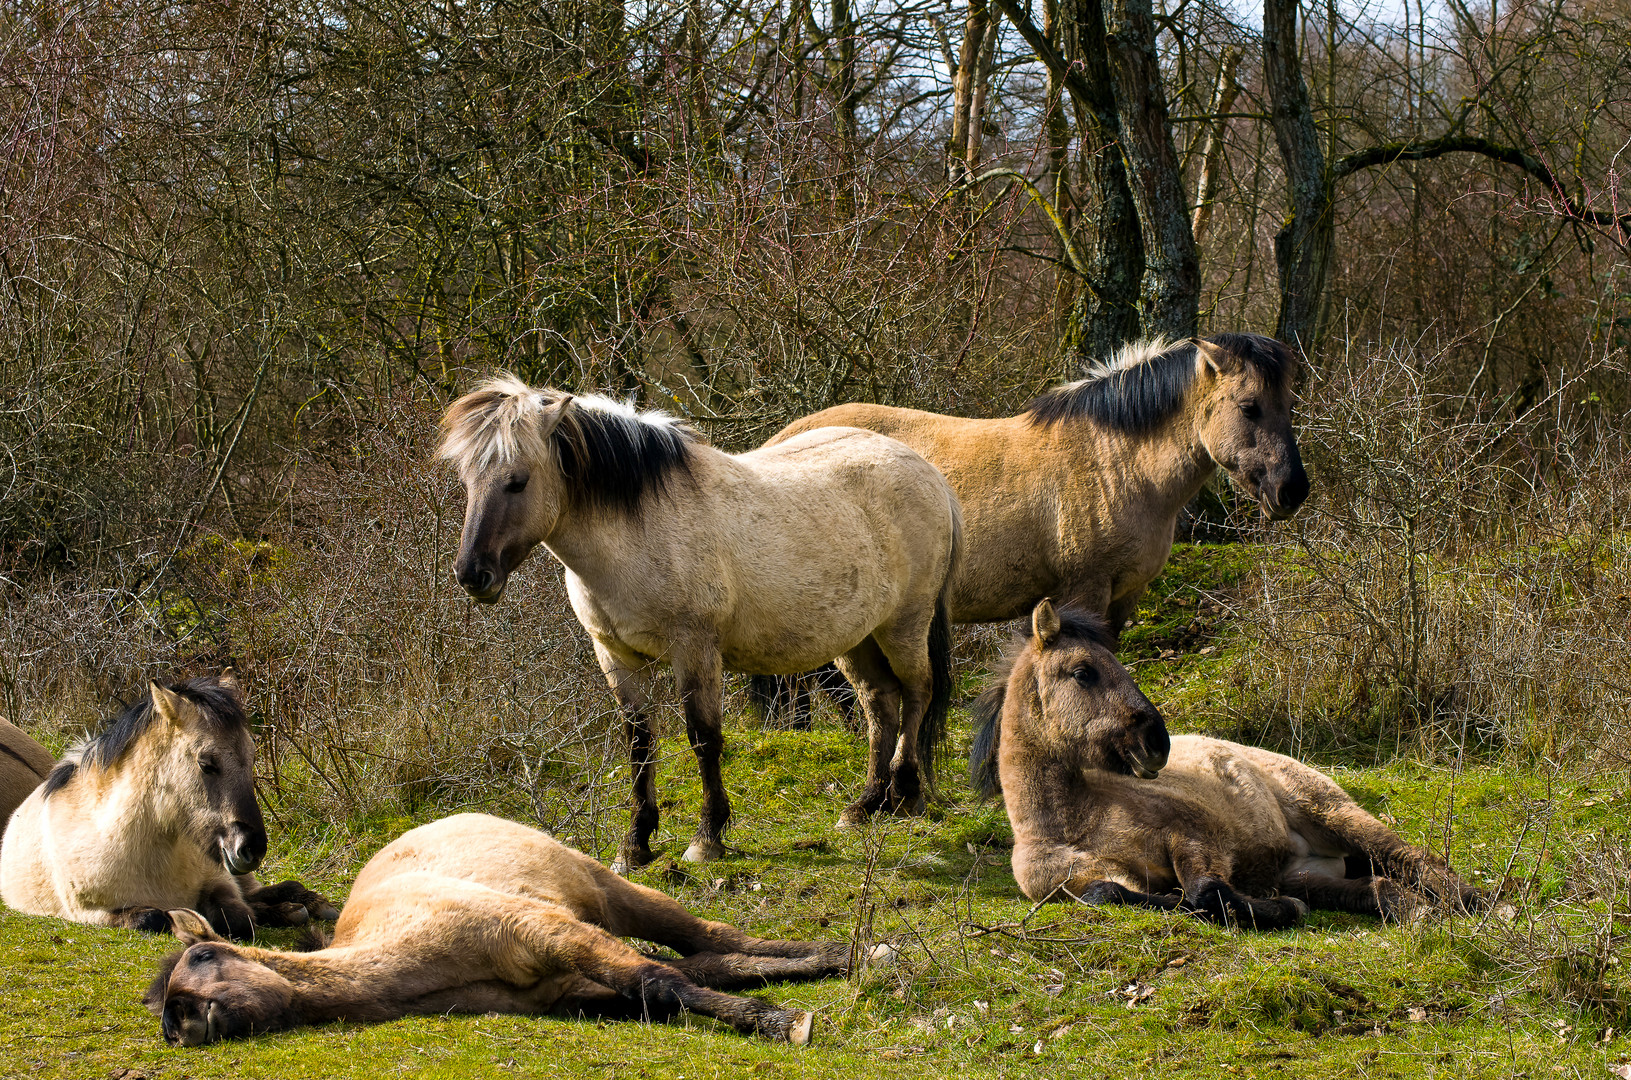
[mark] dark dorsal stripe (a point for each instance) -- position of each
(612, 462)
(1137, 398)
(215, 703)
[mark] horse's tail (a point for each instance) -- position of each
(982, 755)
(765, 694)
(932, 731)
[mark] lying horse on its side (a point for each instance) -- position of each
(1107, 809)
(157, 812)
(475, 914)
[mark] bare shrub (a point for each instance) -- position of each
(1461, 573)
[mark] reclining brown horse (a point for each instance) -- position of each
(1077, 497)
(1107, 809)
(475, 914)
(24, 764)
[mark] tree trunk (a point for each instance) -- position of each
(1223, 99)
(1170, 296)
(963, 89)
(1302, 249)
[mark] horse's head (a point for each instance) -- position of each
(213, 990)
(188, 744)
(1245, 382)
(499, 437)
(529, 456)
(1088, 700)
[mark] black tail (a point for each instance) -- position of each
(932, 731)
(765, 694)
(982, 755)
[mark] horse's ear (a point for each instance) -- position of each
(1213, 359)
(553, 414)
(191, 927)
(166, 703)
(1045, 623)
(231, 684)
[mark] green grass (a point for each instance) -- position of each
(982, 980)
(985, 984)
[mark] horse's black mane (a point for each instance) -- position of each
(218, 706)
(1076, 623)
(612, 461)
(1136, 396)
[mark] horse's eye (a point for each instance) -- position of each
(202, 956)
(1086, 675)
(208, 766)
(517, 485)
(1251, 409)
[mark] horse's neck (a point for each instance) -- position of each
(1162, 469)
(343, 983)
(127, 814)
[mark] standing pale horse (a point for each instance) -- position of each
(839, 543)
(1108, 809)
(1077, 497)
(24, 765)
(474, 914)
(156, 812)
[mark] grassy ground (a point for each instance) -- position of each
(985, 985)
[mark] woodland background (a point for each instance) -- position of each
(250, 248)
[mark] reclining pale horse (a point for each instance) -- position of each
(156, 812)
(839, 543)
(1107, 809)
(1077, 497)
(474, 914)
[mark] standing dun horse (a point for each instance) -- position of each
(24, 765)
(838, 543)
(157, 812)
(1077, 497)
(474, 914)
(1107, 809)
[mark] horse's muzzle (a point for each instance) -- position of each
(483, 583)
(241, 852)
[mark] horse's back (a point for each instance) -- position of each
(24, 765)
(1025, 513)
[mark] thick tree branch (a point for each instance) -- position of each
(1425, 149)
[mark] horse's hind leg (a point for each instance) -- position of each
(880, 693)
(628, 909)
(1322, 800)
(627, 677)
(700, 677)
(1359, 896)
(905, 647)
(658, 989)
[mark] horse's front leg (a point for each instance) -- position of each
(626, 675)
(699, 674)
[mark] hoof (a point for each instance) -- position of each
(881, 955)
(914, 807)
(325, 911)
(626, 862)
(853, 817)
(802, 1029)
(703, 850)
(1300, 907)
